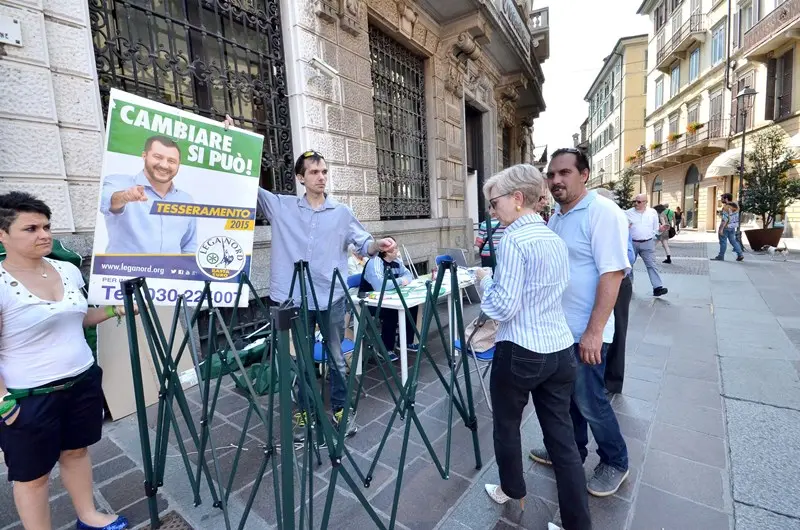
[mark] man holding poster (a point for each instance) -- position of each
(316, 229)
(127, 201)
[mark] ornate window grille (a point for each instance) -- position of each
(210, 57)
(398, 76)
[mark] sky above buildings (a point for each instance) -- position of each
(582, 34)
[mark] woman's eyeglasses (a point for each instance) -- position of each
(493, 200)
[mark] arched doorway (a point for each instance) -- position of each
(691, 196)
(655, 191)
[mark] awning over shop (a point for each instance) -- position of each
(725, 164)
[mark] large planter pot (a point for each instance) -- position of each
(761, 237)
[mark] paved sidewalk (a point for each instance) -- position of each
(710, 410)
(706, 452)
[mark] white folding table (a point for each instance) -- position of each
(415, 297)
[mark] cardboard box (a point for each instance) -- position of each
(113, 356)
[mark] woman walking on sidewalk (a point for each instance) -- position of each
(534, 353)
(52, 396)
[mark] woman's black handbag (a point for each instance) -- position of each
(671, 232)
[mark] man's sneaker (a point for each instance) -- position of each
(391, 356)
(541, 456)
(412, 348)
(739, 258)
(299, 429)
(717, 258)
(606, 480)
(352, 428)
(658, 291)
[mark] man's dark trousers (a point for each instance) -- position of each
(615, 362)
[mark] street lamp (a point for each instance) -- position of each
(744, 100)
(641, 152)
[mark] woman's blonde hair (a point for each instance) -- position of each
(523, 178)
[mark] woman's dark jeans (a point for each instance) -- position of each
(549, 379)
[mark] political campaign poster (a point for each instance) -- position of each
(177, 204)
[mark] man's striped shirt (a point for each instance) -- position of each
(525, 294)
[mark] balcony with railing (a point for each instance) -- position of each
(539, 24)
(771, 32)
(708, 138)
(673, 46)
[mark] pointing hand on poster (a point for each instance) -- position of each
(120, 198)
(134, 194)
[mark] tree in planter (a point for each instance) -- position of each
(623, 189)
(768, 189)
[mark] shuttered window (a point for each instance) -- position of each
(785, 98)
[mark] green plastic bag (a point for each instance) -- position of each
(250, 354)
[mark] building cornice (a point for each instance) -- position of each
(647, 7)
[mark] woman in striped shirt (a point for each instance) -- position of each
(482, 241)
(533, 355)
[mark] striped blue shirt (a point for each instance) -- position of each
(525, 294)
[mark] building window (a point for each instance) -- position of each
(655, 193)
(694, 65)
(675, 80)
(745, 18)
(693, 114)
(506, 147)
(715, 110)
(673, 123)
(778, 101)
(659, 91)
(401, 138)
(717, 44)
(737, 118)
(205, 59)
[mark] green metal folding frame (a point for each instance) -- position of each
(289, 322)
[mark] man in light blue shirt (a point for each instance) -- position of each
(596, 233)
(127, 201)
(317, 229)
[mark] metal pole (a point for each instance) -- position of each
(741, 178)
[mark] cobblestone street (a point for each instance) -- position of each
(710, 411)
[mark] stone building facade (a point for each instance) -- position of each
(413, 104)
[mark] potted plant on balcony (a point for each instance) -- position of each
(694, 126)
(674, 137)
(631, 159)
(768, 189)
(655, 145)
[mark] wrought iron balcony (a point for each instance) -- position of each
(710, 138)
(539, 25)
(671, 47)
(772, 32)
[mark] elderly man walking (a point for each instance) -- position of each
(644, 227)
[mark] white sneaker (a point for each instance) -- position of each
(551, 526)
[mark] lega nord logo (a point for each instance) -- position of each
(220, 257)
